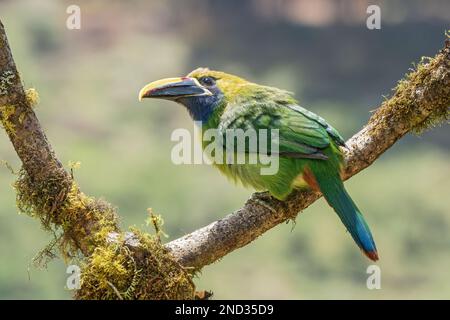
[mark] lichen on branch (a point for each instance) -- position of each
(86, 230)
(420, 101)
(134, 264)
(142, 270)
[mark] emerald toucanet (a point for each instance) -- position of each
(308, 147)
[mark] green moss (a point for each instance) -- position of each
(63, 209)
(115, 265)
(6, 112)
(426, 84)
(32, 97)
(131, 265)
(136, 268)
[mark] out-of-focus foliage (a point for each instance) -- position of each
(88, 81)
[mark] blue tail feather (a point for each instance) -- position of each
(337, 197)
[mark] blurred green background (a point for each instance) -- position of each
(88, 81)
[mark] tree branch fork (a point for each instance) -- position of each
(420, 100)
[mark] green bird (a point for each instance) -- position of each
(308, 147)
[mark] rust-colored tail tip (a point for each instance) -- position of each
(372, 255)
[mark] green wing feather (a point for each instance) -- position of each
(302, 134)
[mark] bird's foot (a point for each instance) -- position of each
(265, 200)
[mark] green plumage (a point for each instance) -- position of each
(308, 147)
(304, 138)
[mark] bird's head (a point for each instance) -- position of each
(202, 91)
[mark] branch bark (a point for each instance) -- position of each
(420, 99)
(31, 144)
(136, 263)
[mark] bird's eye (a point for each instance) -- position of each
(207, 81)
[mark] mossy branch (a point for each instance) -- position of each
(421, 100)
(115, 264)
(134, 265)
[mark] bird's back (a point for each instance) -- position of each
(302, 137)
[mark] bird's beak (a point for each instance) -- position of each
(173, 88)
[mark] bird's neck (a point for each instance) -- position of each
(203, 109)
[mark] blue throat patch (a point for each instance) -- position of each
(202, 107)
